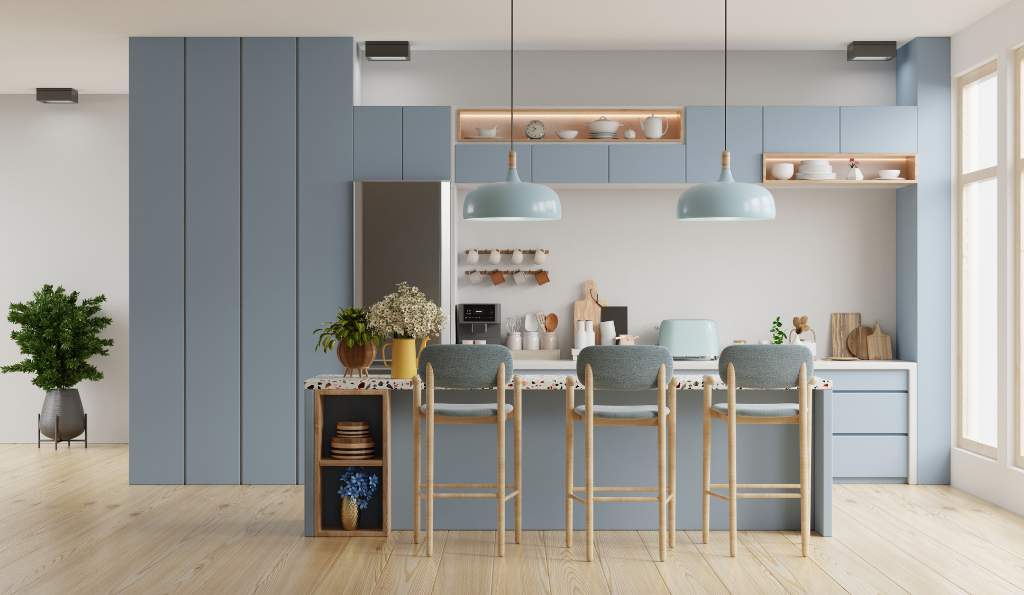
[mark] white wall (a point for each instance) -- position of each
(64, 220)
(995, 37)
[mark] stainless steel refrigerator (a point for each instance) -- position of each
(402, 231)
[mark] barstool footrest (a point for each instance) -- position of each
(617, 489)
(757, 495)
(725, 486)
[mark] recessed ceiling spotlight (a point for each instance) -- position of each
(870, 51)
(56, 95)
(387, 51)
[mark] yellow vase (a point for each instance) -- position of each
(404, 357)
(349, 514)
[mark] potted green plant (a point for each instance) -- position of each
(59, 335)
(350, 337)
(405, 316)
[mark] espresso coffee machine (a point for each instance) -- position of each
(478, 322)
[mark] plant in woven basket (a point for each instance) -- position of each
(406, 314)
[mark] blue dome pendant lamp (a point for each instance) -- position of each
(726, 199)
(513, 199)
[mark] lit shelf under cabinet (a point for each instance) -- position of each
(869, 163)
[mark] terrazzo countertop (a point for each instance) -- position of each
(530, 382)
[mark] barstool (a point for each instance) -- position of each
(467, 367)
(622, 368)
(765, 367)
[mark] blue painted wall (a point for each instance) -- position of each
(924, 250)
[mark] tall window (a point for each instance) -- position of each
(1018, 149)
(978, 247)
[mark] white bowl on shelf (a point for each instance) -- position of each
(604, 125)
(567, 134)
(782, 171)
(487, 132)
(888, 174)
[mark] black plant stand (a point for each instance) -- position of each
(56, 432)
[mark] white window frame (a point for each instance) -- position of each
(963, 180)
(1017, 121)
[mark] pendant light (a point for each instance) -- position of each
(726, 199)
(513, 199)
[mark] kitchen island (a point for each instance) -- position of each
(766, 454)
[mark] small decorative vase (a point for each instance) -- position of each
(855, 174)
(404, 357)
(349, 514)
(356, 358)
(66, 404)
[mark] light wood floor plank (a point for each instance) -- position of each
(627, 564)
(524, 568)
(685, 570)
(409, 569)
(359, 568)
(742, 574)
(848, 569)
(796, 573)
(568, 570)
(467, 565)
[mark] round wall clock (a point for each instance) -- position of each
(535, 130)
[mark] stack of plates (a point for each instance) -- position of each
(601, 135)
(815, 169)
(352, 441)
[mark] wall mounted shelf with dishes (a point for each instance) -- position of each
(838, 164)
(472, 124)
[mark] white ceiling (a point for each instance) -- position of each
(83, 43)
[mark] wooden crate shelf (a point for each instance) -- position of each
(870, 163)
(555, 119)
(351, 462)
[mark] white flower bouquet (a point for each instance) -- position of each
(405, 314)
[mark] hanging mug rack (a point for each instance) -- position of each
(494, 255)
(500, 276)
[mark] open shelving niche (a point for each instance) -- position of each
(555, 119)
(870, 163)
(329, 407)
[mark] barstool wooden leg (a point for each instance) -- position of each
(662, 534)
(589, 448)
(416, 491)
(672, 463)
(705, 498)
(501, 460)
(805, 463)
(570, 390)
(518, 463)
(731, 373)
(429, 480)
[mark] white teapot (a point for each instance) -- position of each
(654, 126)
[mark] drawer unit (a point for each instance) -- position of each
(805, 129)
(867, 380)
(869, 456)
(488, 162)
(650, 163)
(869, 413)
(583, 163)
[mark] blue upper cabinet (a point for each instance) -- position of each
(570, 163)
(427, 143)
(378, 143)
(704, 127)
(801, 129)
(647, 163)
(488, 162)
(879, 129)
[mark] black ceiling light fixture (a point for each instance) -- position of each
(387, 51)
(56, 95)
(870, 51)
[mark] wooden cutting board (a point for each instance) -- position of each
(879, 344)
(843, 323)
(588, 308)
(857, 342)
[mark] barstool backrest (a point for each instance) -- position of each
(766, 366)
(466, 366)
(624, 367)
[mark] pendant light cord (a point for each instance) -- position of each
(511, 76)
(725, 82)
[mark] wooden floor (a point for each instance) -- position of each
(69, 522)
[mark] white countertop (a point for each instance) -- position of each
(825, 364)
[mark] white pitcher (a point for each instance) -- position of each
(654, 126)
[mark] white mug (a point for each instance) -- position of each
(480, 342)
(540, 256)
(517, 256)
(475, 277)
(520, 277)
(472, 257)
(495, 256)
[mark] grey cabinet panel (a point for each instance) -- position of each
(156, 428)
(488, 162)
(870, 413)
(268, 260)
(869, 456)
(647, 163)
(704, 135)
(212, 259)
(867, 380)
(583, 163)
(879, 129)
(325, 176)
(426, 143)
(805, 129)
(378, 143)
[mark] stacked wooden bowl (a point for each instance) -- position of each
(352, 440)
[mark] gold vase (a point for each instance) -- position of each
(349, 514)
(404, 356)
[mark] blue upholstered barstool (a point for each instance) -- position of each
(623, 368)
(765, 367)
(467, 367)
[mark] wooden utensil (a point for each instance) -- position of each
(857, 342)
(551, 322)
(879, 344)
(588, 308)
(843, 323)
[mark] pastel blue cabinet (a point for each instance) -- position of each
(488, 162)
(647, 163)
(426, 143)
(864, 457)
(378, 142)
(582, 163)
(704, 141)
(870, 413)
(878, 129)
(810, 129)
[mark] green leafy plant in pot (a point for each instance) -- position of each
(59, 335)
(349, 336)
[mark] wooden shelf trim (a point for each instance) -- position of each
(324, 462)
(566, 118)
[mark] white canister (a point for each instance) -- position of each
(514, 341)
(580, 338)
(608, 332)
(588, 326)
(531, 340)
(548, 341)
